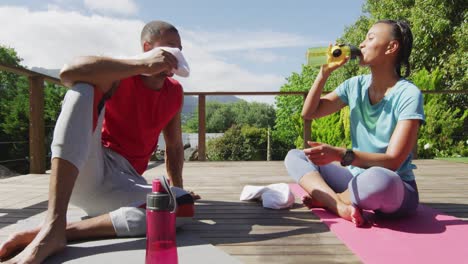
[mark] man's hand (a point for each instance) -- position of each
(322, 154)
(162, 61)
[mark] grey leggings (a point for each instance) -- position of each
(377, 189)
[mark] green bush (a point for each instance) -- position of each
(239, 143)
(443, 133)
(221, 116)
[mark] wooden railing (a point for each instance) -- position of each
(36, 110)
(202, 115)
(37, 154)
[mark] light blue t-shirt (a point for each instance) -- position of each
(372, 125)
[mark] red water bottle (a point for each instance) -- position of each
(160, 225)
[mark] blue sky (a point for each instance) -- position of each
(230, 45)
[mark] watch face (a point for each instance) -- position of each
(349, 156)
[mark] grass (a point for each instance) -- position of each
(461, 160)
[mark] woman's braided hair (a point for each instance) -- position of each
(402, 33)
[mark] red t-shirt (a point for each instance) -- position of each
(135, 116)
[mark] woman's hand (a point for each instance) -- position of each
(322, 154)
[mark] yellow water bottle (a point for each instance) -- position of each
(325, 55)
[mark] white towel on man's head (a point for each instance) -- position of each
(183, 69)
(273, 196)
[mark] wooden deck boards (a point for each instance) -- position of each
(245, 229)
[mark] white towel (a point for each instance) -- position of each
(182, 70)
(273, 196)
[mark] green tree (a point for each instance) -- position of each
(439, 30)
(221, 116)
(440, 44)
(14, 109)
(8, 84)
(254, 114)
(289, 125)
(442, 135)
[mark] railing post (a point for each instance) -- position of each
(268, 144)
(201, 128)
(307, 128)
(37, 157)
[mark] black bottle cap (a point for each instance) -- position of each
(355, 52)
(336, 53)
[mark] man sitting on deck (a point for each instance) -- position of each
(104, 137)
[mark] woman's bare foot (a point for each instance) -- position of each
(310, 202)
(49, 240)
(350, 213)
(344, 197)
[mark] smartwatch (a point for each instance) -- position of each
(347, 158)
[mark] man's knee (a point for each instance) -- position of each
(129, 221)
(73, 130)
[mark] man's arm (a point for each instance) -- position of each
(174, 150)
(104, 71)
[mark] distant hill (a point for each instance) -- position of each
(51, 72)
(190, 102)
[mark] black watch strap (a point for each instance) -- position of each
(347, 158)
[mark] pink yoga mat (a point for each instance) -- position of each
(427, 237)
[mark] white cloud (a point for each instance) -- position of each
(124, 7)
(48, 39)
(260, 56)
(53, 7)
(246, 40)
(211, 74)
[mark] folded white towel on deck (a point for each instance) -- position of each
(274, 196)
(182, 70)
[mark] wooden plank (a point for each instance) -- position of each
(28, 73)
(300, 259)
(245, 93)
(37, 162)
(245, 229)
(332, 249)
(253, 93)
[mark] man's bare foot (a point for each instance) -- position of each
(310, 202)
(350, 213)
(194, 195)
(49, 240)
(17, 242)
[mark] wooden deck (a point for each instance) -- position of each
(246, 230)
